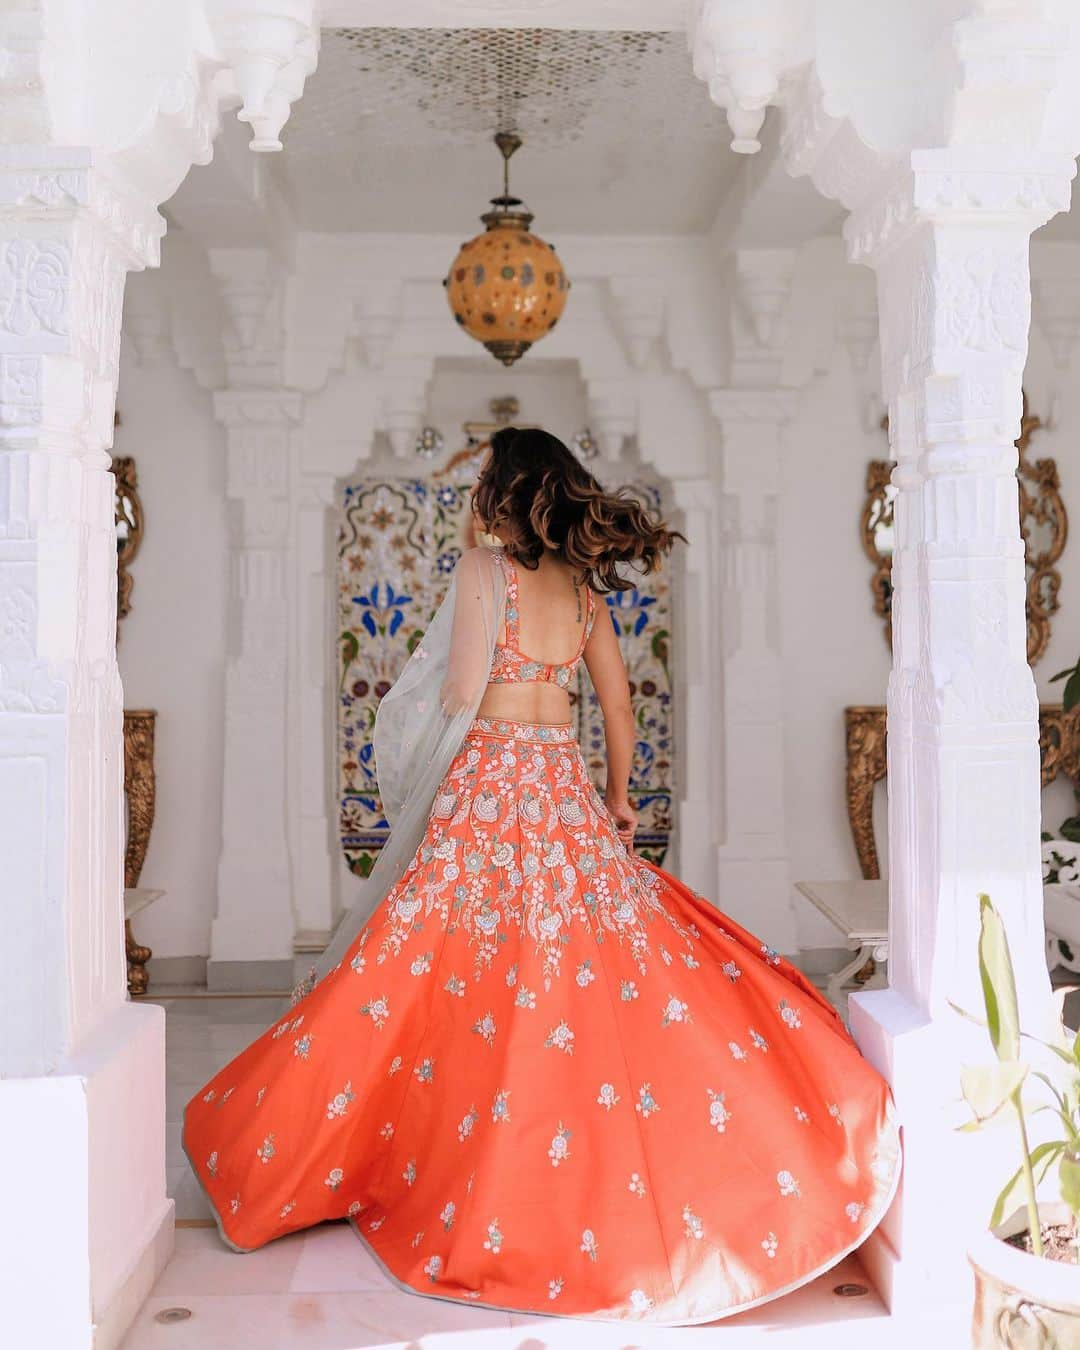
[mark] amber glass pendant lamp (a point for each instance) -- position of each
(507, 287)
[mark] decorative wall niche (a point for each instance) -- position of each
(399, 540)
(1044, 524)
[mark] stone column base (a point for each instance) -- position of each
(82, 1173)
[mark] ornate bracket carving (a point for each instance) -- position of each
(128, 512)
(1045, 527)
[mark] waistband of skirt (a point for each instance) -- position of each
(562, 733)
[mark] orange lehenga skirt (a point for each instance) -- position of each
(549, 1078)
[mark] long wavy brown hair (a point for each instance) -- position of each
(535, 495)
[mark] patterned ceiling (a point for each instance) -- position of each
(394, 131)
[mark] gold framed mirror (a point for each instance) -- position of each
(128, 513)
(1044, 524)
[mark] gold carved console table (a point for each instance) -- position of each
(1059, 749)
(139, 790)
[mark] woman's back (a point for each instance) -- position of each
(546, 623)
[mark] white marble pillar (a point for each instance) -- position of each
(754, 882)
(251, 940)
(949, 244)
(698, 729)
(313, 808)
(753, 871)
(74, 1054)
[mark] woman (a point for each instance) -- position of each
(545, 1076)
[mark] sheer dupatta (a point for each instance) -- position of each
(419, 728)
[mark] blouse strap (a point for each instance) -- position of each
(512, 617)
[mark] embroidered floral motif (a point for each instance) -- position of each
(854, 1211)
(467, 1124)
(485, 1028)
(589, 1245)
(675, 1010)
(560, 1038)
(789, 1014)
(266, 1149)
(759, 1041)
(524, 998)
(494, 1240)
(647, 1103)
(433, 1268)
(559, 1152)
(421, 964)
(454, 985)
(425, 1071)
(387, 1131)
(259, 1096)
(834, 1111)
(287, 1209)
(787, 1183)
(608, 1096)
(640, 1301)
(340, 1103)
(555, 1288)
(737, 1052)
(212, 1162)
(637, 1186)
(692, 1225)
(409, 1175)
(801, 1116)
(628, 991)
(358, 963)
(585, 974)
(448, 1214)
(719, 1115)
(500, 1107)
(769, 1245)
(378, 1010)
(302, 1046)
(395, 1064)
(770, 954)
(354, 1209)
(334, 1178)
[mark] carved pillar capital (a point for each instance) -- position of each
(639, 304)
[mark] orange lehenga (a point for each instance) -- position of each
(547, 1077)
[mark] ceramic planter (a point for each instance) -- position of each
(1024, 1302)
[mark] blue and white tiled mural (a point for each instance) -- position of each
(398, 542)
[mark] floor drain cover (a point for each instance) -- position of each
(851, 1290)
(172, 1315)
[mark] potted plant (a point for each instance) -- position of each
(1027, 1280)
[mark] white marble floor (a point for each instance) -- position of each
(320, 1290)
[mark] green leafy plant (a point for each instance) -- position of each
(996, 1089)
(1071, 695)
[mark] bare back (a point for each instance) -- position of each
(547, 622)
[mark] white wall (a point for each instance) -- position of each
(172, 644)
(550, 393)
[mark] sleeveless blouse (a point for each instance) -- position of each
(510, 664)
